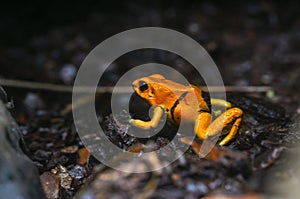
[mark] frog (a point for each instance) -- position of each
(185, 103)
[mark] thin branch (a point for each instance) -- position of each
(120, 89)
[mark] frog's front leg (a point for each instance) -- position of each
(204, 128)
(157, 114)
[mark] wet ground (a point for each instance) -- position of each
(253, 44)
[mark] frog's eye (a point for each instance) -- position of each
(143, 85)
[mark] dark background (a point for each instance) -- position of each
(252, 42)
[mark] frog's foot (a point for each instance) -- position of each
(140, 123)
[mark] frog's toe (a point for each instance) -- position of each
(131, 121)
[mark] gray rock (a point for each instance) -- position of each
(19, 178)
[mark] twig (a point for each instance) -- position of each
(120, 89)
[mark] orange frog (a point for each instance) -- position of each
(184, 103)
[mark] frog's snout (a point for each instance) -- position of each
(135, 85)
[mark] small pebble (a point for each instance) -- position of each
(68, 73)
(78, 172)
(50, 183)
(33, 102)
(197, 187)
(42, 155)
(193, 27)
(70, 149)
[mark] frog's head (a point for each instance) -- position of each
(147, 87)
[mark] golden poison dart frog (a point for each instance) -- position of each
(184, 103)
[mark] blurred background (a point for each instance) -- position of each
(252, 42)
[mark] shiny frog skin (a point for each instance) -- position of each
(184, 103)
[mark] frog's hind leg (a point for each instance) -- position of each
(204, 129)
(201, 125)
